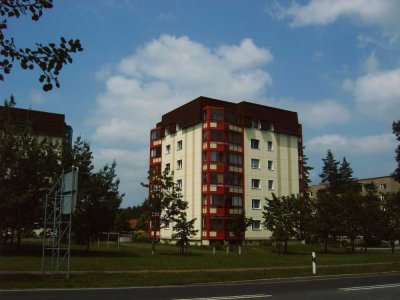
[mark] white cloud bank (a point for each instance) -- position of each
(352, 145)
(378, 94)
(384, 13)
(158, 77)
(169, 71)
(316, 113)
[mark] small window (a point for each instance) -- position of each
(168, 166)
(270, 146)
(179, 183)
(255, 163)
(270, 165)
(382, 186)
(256, 225)
(256, 124)
(166, 225)
(179, 145)
(255, 183)
(179, 164)
(270, 184)
(255, 203)
(255, 144)
(167, 149)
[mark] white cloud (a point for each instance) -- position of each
(371, 64)
(37, 97)
(158, 77)
(378, 94)
(129, 169)
(316, 113)
(354, 145)
(324, 12)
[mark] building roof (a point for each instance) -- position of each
(43, 123)
(282, 121)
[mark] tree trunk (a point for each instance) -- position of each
(326, 245)
(352, 245)
(286, 246)
(392, 244)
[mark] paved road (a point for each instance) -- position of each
(384, 286)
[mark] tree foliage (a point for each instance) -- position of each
(239, 224)
(28, 168)
(98, 194)
(396, 132)
(164, 203)
(281, 216)
(49, 58)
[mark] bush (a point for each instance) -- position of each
(140, 236)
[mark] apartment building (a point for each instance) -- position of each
(227, 157)
(43, 124)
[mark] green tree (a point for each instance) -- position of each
(98, 196)
(164, 202)
(97, 205)
(279, 217)
(396, 132)
(327, 219)
(183, 228)
(28, 168)
(371, 222)
(50, 58)
(307, 170)
(346, 182)
(330, 172)
(351, 216)
(239, 224)
(391, 215)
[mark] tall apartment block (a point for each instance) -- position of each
(227, 157)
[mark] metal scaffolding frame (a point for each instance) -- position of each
(59, 207)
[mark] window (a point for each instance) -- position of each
(168, 166)
(237, 201)
(255, 163)
(256, 225)
(217, 135)
(217, 200)
(270, 184)
(179, 145)
(270, 146)
(179, 164)
(255, 183)
(155, 135)
(166, 226)
(235, 159)
(255, 144)
(216, 178)
(179, 183)
(382, 186)
(155, 152)
(256, 124)
(270, 165)
(255, 203)
(167, 149)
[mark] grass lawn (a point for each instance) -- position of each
(200, 261)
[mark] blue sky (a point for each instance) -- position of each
(337, 63)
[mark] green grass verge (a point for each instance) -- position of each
(136, 257)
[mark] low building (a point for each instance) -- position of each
(382, 184)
